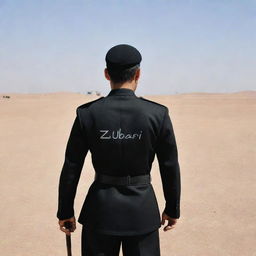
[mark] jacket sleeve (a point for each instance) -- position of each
(76, 151)
(167, 155)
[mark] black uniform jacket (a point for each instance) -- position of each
(123, 132)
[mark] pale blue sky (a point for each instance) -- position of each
(186, 45)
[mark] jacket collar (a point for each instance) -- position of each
(121, 91)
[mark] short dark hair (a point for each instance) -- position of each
(122, 76)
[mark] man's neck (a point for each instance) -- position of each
(129, 85)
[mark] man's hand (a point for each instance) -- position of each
(73, 225)
(171, 221)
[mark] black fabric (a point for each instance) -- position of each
(122, 56)
(96, 244)
(123, 133)
(120, 210)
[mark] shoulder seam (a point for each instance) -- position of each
(151, 101)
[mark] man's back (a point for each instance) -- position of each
(123, 133)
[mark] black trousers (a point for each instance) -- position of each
(94, 244)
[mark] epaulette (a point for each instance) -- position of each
(87, 104)
(153, 102)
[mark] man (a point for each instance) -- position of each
(123, 133)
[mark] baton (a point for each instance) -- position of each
(68, 225)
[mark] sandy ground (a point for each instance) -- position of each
(215, 133)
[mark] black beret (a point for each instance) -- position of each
(122, 56)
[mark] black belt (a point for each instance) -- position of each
(123, 180)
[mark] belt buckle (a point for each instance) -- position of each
(128, 180)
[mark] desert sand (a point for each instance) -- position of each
(215, 134)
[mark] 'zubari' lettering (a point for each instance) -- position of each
(107, 135)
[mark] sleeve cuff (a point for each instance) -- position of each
(172, 212)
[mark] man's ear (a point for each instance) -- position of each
(137, 74)
(106, 74)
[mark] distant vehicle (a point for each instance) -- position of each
(94, 92)
(6, 96)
